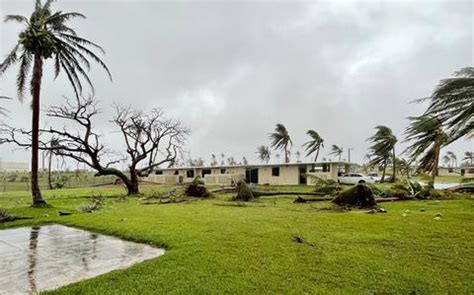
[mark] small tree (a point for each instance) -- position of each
(337, 151)
(314, 145)
(383, 149)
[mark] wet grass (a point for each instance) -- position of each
(234, 248)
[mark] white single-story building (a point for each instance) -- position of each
(272, 174)
(466, 171)
(14, 166)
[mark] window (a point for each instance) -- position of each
(176, 172)
(222, 171)
(326, 168)
(276, 171)
(190, 173)
(159, 172)
(206, 171)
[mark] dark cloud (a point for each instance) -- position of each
(231, 70)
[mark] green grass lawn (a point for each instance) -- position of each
(217, 246)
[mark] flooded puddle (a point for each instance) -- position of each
(34, 259)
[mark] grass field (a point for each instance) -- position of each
(217, 246)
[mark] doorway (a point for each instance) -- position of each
(251, 175)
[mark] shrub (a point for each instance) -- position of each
(244, 192)
(6, 216)
(197, 189)
(357, 196)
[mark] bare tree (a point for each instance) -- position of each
(151, 140)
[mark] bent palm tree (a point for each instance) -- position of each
(428, 137)
(263, 153)
(337, 151)
(446, 160)
(281, 139)
(453, 103)
(314, 145)
(383, 148)
(469, 156)
(47, 36)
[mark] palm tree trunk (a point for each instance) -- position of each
(35, 91)
(383, 173)
(317, 154)
(50, 185)
(286, 155)
(394, 166)
(434, 172)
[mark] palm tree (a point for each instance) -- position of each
(213, 160)
(469, 156)
(446, 160)
(453, 158)
(222, 159)
(427, 137)
(383, 149)
(298, 155)
(337, 151)
(452, 103)
(263, 153)
(281, 139)
(403, 166)
(46, 36)
(54, 143)
(314, 145)
(244, 161)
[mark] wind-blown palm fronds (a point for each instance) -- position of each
(383, 148)
(453, 103)
(469, 156)
(263, 153)
(281, 139)
(314, 145)
(427, 137)
(337, 151)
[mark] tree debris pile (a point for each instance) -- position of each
(244, 192)
(5, 216)
(197, 189)
(168, 198)
(359, 196)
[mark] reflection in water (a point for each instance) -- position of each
(32, 258)
(36, 259)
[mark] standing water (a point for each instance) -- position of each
(34, 259)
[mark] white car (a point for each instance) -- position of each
(374, 176)
(354, 178)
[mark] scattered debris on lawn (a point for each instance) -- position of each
(167, 198)
(301, 240)
(95, 205)
(63, 213)
(300, 199)
(5, 216)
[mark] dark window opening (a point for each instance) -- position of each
(190, 173)
(326, 168)
(159, 172)
(176, 172)
(276, 171)
(222, 171)
(206, 171)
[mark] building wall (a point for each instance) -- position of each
(288, 175)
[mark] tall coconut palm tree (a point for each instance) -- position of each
(263, 153)
(383, 149)
(469, 156)
(281, 139)
(314, 145)
(453, 103)
(336, 151)
(47, 36)
(427, 136)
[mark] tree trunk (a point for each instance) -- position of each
(132, 184)
(434, 171)
(394, 166)
(35, 91)
(286, 155)
(383, 173)
(50, 185)
(317, 154)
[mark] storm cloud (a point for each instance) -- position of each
(231, 70)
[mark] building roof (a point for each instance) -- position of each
(259, 165)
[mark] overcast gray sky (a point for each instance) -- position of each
(231, 70)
